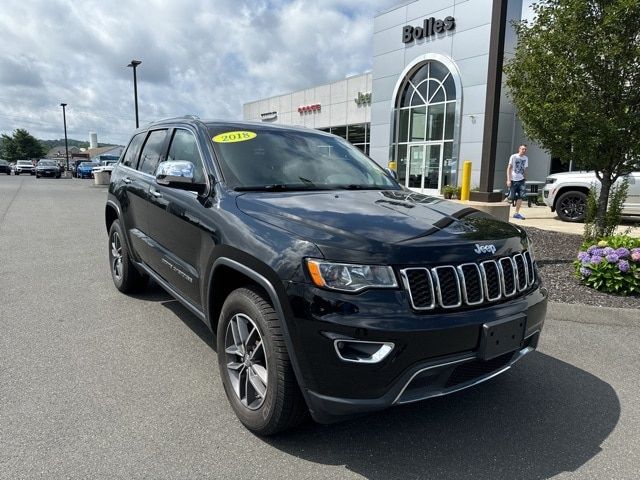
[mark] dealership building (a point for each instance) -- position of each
(435, 97)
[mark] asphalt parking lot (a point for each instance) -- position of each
(95, 384)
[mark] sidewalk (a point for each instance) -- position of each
(542, 217)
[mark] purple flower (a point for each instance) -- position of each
(582, 256)
(623, 266)
(585, 271)
(595, 259)
(608, 251)
(612, 258)
(598, 252)
(591, 249)
(622, 252)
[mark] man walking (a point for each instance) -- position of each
(516, 176)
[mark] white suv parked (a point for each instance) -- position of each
(566, 193)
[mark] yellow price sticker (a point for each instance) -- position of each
(232, 137)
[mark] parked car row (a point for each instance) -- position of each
(43, 168)
(24, 166)
(5, 167)
(48, 168)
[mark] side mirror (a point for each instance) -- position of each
(392, 173)
(179, 174)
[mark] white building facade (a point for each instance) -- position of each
(435, 97)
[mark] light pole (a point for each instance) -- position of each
(66, 145)
(134, 64)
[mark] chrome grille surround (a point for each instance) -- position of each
(508, 273)
(469, 284)
(484, 266)
(404, 274)
(465, 281)
(531, 274)
(521, 271)
(436, 277)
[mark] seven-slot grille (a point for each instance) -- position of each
(450, 286)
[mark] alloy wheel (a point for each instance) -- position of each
(116, 255)
(572, 206)
(246, 361)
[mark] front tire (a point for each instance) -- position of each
(124, 274)
(254, 364)
(571, 206)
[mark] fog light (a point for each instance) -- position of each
(359, 351)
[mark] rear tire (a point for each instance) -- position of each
(125, 276)
(571, 206)
(254, 364)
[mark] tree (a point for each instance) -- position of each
(575, 81)
(20, 146)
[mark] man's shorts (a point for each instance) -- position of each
(518, 190)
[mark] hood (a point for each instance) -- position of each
(581, 174)
(386, 224)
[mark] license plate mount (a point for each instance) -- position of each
(501, 336)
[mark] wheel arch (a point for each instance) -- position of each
(111, 214)
(232, 273)
(569, 188)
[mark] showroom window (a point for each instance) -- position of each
(357, 134)
(425, 120)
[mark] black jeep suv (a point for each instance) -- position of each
(330, 288)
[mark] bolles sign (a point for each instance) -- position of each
(430, 27)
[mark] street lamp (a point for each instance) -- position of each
(66, 145)
(134, 64)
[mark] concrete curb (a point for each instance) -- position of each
(570, 312)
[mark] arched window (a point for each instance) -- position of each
(426, 115)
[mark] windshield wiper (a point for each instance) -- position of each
(356, 186)
(278, 187)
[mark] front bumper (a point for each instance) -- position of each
(548, 195)
(434, 354)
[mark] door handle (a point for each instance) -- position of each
(155, 192)
(127, 180)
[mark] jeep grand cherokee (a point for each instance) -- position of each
(330, 288)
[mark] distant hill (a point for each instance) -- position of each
(49, 144)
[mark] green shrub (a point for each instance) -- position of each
(617, 196)
(610, 265)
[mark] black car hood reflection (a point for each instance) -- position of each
(368, 220)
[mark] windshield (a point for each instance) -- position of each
(24, 162)
(46, 163)
(86, 164)
(274, 159)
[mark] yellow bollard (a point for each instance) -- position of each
(466, 180)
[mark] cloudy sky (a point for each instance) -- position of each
(198, 57)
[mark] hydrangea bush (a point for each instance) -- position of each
(611, 265)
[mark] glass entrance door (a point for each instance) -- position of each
(424, 168)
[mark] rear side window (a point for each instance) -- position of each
(130, 158)
(152, 151)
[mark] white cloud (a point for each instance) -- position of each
(198, 57)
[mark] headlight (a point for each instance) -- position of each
(350, 278)
(550, 180)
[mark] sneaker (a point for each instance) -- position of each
(519, 216)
